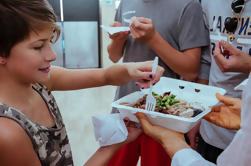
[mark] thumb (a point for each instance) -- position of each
(224, 99)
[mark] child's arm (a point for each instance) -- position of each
(66, 79)
(103, 155)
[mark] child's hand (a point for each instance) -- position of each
(133, 131)
(142, 71)
(226, 115)
(120, 36)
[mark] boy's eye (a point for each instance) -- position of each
(39, 47)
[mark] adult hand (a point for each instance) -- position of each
(142, 71)
(120, 36)
(142, 29)
(226, 115)
(172, 141)
(231, 59)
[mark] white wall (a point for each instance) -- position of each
(77, 107)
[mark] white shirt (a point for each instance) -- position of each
(238, 153)
(221, 10)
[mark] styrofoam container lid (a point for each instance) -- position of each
(189, 91)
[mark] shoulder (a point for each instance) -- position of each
(191, 10)
(15, 143)
(183, 4)
(187, 8)
(193, 5)
(11, 132)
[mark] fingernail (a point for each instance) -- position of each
(142, 88)
(227, 57)
(150, 76)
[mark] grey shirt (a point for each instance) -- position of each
(179, 22)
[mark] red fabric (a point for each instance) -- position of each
(151, 152)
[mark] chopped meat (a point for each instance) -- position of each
(168, 104)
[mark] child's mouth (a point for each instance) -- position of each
(45, 69)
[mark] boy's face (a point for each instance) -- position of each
(29, 60)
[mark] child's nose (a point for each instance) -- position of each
(51, 55)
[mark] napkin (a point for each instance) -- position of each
(109, 129)
(112, 30)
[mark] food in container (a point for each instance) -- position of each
(199, 96)
(169, 104)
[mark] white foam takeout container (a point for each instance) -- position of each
(205, 97)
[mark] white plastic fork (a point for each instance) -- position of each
(150, 100)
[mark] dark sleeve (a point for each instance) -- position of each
(193, 31)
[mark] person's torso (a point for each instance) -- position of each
(50, 144)
(220, 10)
(165, 15)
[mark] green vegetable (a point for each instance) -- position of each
(154, 94)
(165, 101)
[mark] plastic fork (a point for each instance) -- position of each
(150, 100)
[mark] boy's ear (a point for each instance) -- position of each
(2, 60)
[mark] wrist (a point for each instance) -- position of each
(118, 42)
(174, 145)
(249, 65)
(245, 64)
(154, 39)
(118, 74)
(115, 45)
(111, 148)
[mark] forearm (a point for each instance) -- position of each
(248, 69)
(115, 50)
(67, 79)
(185, 65)
(103, 155)
(117, 74)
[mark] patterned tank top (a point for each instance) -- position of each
(51, 144)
